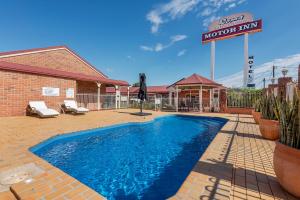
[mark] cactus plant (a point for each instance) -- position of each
(268, 107)
(289, 119)
(257, 105)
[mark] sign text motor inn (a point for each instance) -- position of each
(231, 31)
(228, 27)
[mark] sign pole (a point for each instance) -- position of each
(246, 64)
(212, 59)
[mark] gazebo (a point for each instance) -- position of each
(195, 93)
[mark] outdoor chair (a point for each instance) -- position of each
(71, 106)
(40, 108)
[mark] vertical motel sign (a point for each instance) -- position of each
(229, 27)
(250, 81)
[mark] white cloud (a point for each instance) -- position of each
(264, 71)
(174, 9)
(177, 38)
(209, 20)
(146, 48)
(181, 53)
(169, 11)
(206, 12)
(159, 46)
(241, 1)
(232, 5)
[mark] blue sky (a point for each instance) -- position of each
(160, 38)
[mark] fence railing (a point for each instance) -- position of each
(108, 101)
(87, 100)
(90, 101)
(242, 98)
(152, 103)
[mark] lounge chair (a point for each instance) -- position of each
(40, 108)
(71, 106)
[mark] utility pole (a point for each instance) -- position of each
(273, 74)
(299, 76)
(264, 80)
(246, 57)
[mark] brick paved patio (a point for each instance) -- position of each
(237, 164)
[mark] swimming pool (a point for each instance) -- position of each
(134, 160)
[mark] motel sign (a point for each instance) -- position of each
(229, 27)
(250, 82)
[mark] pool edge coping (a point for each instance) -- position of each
(45, 142)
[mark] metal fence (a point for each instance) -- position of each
(90, 101)
(87, 100)
(152, 103)
(108, 101)
(242, 98)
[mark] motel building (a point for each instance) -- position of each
(197, 94)
(51, 74)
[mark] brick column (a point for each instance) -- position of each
(271, 88)
(223, 100)
(98, 96)
(264, 91)
(282, 82)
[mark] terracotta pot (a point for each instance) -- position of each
(256, 116)
(286, 166)
(269, 129)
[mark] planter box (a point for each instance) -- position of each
(269, 129)
(232, 110)
(287, 168)
(256, 116)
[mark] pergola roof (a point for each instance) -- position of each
(196, 79)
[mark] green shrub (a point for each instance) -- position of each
(269, 107)
(257, 105)
(289, 119)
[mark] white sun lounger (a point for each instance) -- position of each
(40, 108)
(71, 106)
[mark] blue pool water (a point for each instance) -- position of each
(135, 160)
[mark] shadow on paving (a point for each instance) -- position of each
(243, 122)
(221, 172)
(243, 134)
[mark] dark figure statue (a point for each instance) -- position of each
(142, 91)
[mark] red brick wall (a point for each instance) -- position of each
(282, 82)
(17, 89)
(223, 100)
(60, 59)
(89, 87)
(271, 88)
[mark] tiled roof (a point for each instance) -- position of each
(51, 48)
(196, 79)
(122, 90)
(57, 73)
(31, 50)
(157, 89)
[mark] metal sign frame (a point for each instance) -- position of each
(230, 32)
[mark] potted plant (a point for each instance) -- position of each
(287, 149)
(268, 124)
(256, 111)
